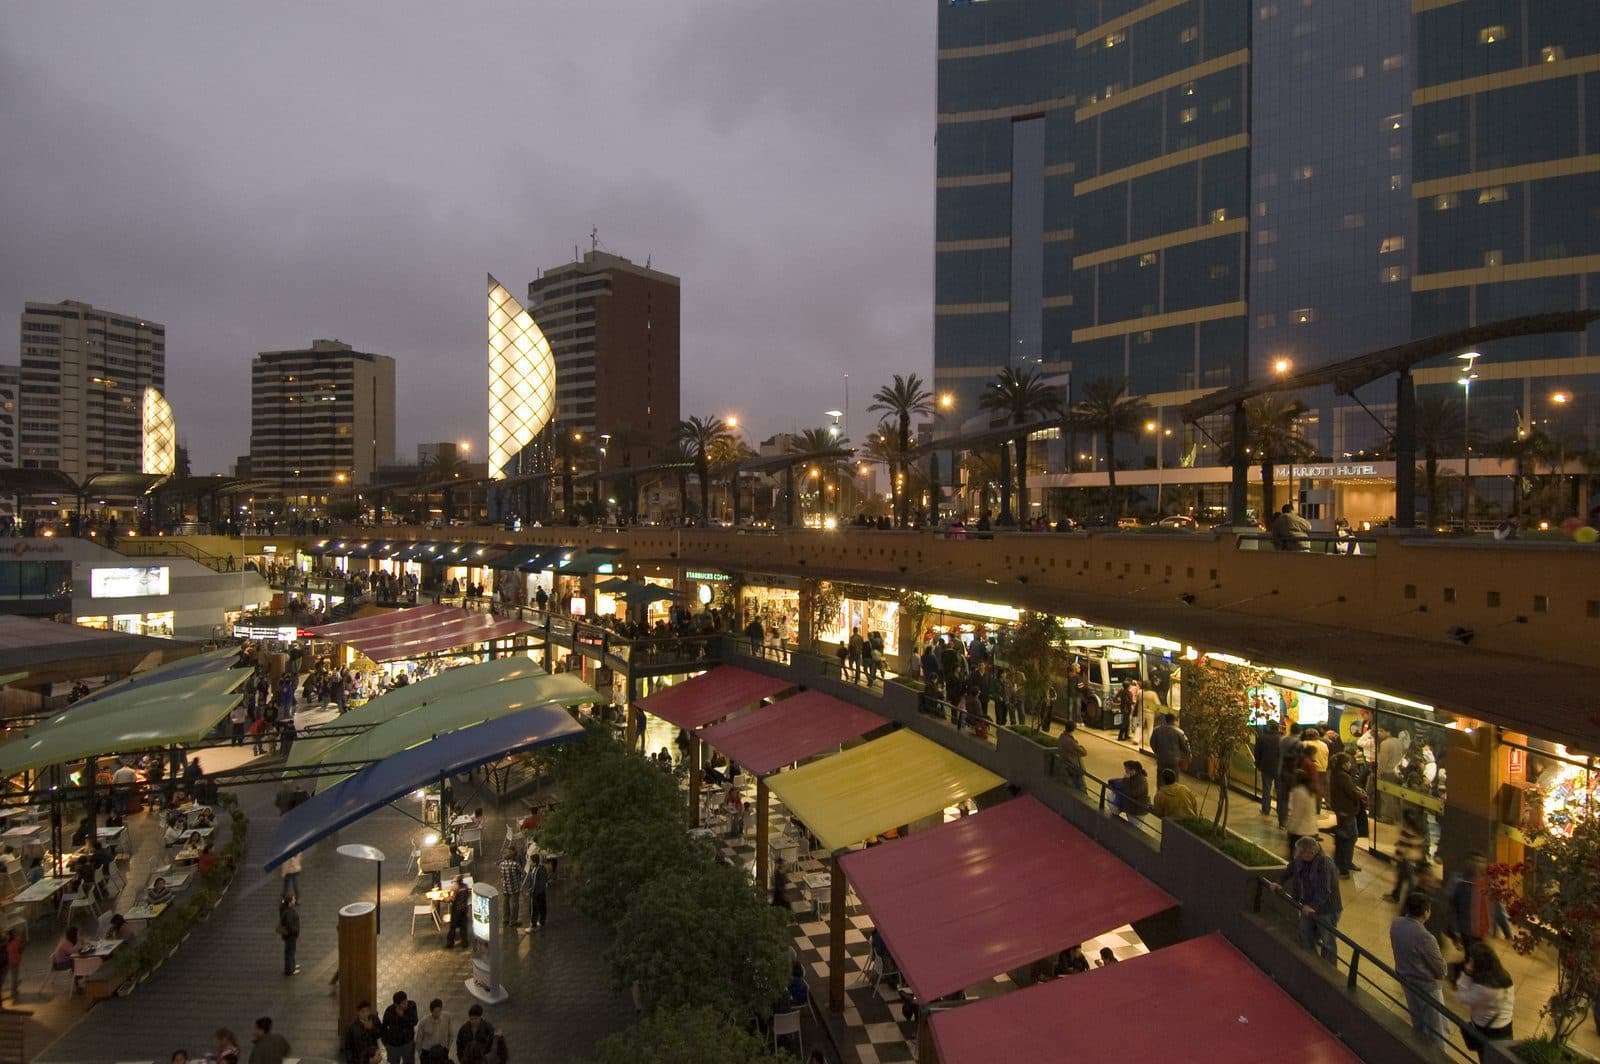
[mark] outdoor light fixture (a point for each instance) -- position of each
(160, 434)
(1282, 366)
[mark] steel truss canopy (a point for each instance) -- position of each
(54, 481)
(869, 789)
(788, 731)
(397, 775)
(1210, 995)
(711, 696)
(1349, 374)
(965, 901)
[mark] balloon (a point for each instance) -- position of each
(1586, 535)
(1571, 525)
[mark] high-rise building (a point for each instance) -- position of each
(1506, 127)
(321, 418)
(612, 326)
(83, 374)
(10, 380)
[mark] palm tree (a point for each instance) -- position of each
(1107, 408)
(1524, 448)
(439, 470)
(900, 400)
(620, 451)
(727, 455)
(1438, 430)
(697, 436)
(1022, 396)
(981, 469)
(821, 442)
(1273, 431)
(884, 446)
(568, 451)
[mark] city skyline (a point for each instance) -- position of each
(231, 197)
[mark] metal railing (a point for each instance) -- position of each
(162, 547)
(1313, 543)
(1363, 973)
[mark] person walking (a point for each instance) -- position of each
(289, 931)
(460, 913)
(266, 1045)
(1170, 746)
(853, 654)
(1301, 822)
(291, 877)
(1289, 758)
(399, 1029)
(477, 1034)
(1268, 741)
(361, 1038)
(1312, 883)
(538, 893)
(1484, 987)
(1420, 965)
(1470, 908)
(435, 1034)
(1346, 799)
(1408, 855)
(510, 884)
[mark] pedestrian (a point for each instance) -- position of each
(477, 1033)
(853, 655)
(1125, 706)
(1170, 745)
(1470, 907)
(1301, 822)
(1408, 854)
(1268, 740)
(266, 1046)
(1173, 798)
(1346, 799)
(460, 912)
(1069, 755)
(361, 1039)
(399, 1030)
(511, 876)
(227, 1051)
(1289, 757)
(1420, 965)
(289, 931)
(1484, 987)
(1290, 531)
(1312, 883)
(1130, 795)
(435, 1034)
(291, 877)
(538, 893)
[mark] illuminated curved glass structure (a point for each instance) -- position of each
(522, 379)
(160, 434)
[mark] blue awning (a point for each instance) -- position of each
(197, 665)
(396, 776)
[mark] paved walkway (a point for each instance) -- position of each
(230, 969)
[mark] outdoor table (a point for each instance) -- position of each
(818, 880)
(700, 833)
(7, 812)
(90, 957)
(22, 833)
(143, 914)
(784, 849)
(186, 857)
(462, 821)
(111, 836)
(43, 890)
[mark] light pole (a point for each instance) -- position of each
(1467, 377)
(1154, 428)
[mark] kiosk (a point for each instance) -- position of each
(484, 983)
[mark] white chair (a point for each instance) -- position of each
(52, 973)
(785, 1024)
(84, 901)
(427, 912)
(102, 924)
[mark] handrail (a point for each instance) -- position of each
(1362, 962)
(161, 547)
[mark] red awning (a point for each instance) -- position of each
(711, 696)
(345, 631)
(433, 634)
(790, 730)
(965, 901)
(1200, 999)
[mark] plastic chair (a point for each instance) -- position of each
(785, 1024)
(425, 911)
(85, 900)
(51, 973)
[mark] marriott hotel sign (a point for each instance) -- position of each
(1334, 469)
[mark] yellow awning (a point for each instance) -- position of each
(868, 789)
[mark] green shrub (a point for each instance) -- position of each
(1240, 849)
(1544, 1051)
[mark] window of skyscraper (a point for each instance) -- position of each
(1027, 237)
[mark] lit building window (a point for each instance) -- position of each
(1496, 194)
(1266, 264)
(1219, 214)
(1396, 182)
(1147, 259)
(1189, 35)
(1492, 258)
(1186, 115)
(522, 379)
(1394, 123)
(1266, 236)
(1491, 35)
(1114, 39)
(1355, 73)
(1266, 321)
(1305, 173)
(160, 435)
(1394, 62)
(1353, 221)
(1392, 243)
(1390, 274)
(1445, 201)
(1552, 53)
(1304, 315)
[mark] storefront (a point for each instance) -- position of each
(775, 602)
(867, 611)
(1546, 789)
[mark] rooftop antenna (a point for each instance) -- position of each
(594, 238)
(647, 262)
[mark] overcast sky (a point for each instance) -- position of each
(256, 176)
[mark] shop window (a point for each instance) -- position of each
(1492, 35)
(1552, 53)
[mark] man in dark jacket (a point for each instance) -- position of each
(267, 1047)
(476, 1031)
(1345, 798)
(399, 1030)
(1170, 745)
(1289, 755)
(1268, 740)
(362, 1037)
(1312, 883)
(460, 914)
(289, 931)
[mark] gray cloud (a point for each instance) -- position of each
(255, 177)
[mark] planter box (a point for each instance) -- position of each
(1217, 890)
(1023, 761)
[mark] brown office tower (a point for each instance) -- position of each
(613, 328)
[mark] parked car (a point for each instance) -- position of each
(1180, 521)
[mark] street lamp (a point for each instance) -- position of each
(1282, 366)
(1467, 377)
(1154, 428)
(362, 852)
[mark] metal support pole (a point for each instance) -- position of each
(836, 939)
(763, 833)
(1238, 498)
(1405, 451)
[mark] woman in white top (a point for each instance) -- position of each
(1301, 820)
(1486, 990)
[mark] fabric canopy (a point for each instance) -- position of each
(644, 594)
(789, 731)
(868, 789)
(991, 892)
(526, 559)
(197, 665)
(379, 784)
(1200, 999)
(158, 714)
(340, 631)
(436, 634)
(434, 690)
(598, 560)
(711, 696)
(460, 711)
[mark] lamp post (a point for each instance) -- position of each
(1467, 377)
(362, 852)
(1154, 428)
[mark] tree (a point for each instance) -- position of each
(1032, 653)
(702, 937)
(1555, 895)
(685, 1036)
(884, 446)
(1022, 397)
(727, 455)
(1216, 715)
(825, 446)
(697, 436)
(624, 444)
(1438, 428)
(981, 468)
(439, 472)
(901, 400)
(1272, 425)
(1523, 448)
(568, 451)
(1108, 409)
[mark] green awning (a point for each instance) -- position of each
(161, 714)
(463, 711)
(644, 594)
(588, 563)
